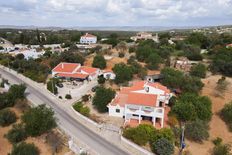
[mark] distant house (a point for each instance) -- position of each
(145, 36)
(88, 39)
(75, 71)
(28, 53)
(183, 64)
(142, 102)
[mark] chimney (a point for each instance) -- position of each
(62, 65)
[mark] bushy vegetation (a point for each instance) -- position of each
(144, 134)
(99, 62)
(7, 117)
(84, 110)
(51, 86)
(226, 115)
(198, 70)
(222, 62)
(176, 79)
(163, 147)
(197, 131)
(123, 72)
(68, 96)
(24, 149)
(102, 97)
(101, 79)
(16, 134)
(220, 148)
(190, 107)
(15, 92)
(38, 120)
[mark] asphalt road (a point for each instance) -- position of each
(65, 121)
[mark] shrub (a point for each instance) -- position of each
(16, 134)
(217, 141)
(38, 120)
(51, 86)
(85, 98)
(68, 96)
(198, 70)
(197, 131)
(99, 62)
(140, 135)
(144, 133)
(7, 117)
(163, 147)
(79, 107)
(172, 121)
(222, 149)
(102, 97)
(101, 80)
(226, 115)
(25, 149)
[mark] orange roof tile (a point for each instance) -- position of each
(88, 70)
(66, 67)
(142, 99)
(87, 35)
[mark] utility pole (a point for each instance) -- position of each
(182, 143)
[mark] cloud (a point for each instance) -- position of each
(115, 12)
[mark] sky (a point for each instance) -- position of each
(93, 13)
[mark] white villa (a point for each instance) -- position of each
(142, 102)
(88, 39)
(75, 71)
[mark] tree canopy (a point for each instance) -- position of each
(102, 97)
(123, 72)
(25, 149)
(192, 107)
(39, 120)
(99, 62)
(226, 115)
(198, 70)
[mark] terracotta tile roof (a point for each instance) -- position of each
(75, 75)
(159, 86)
(142, 99)
(89, 70)
(66, 67)
(127, 95)
(87, 35)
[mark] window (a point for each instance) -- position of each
(117, 110)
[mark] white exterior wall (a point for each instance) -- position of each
(88, 40)
(112, 111)
(109, 75)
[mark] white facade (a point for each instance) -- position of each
(88, 39)
(155, 112)
(109, 75)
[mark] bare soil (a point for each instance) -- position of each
(6, 146)
(218, 127)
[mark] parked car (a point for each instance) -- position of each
(60, 85)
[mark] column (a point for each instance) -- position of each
(162, 123)
(153, 119)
